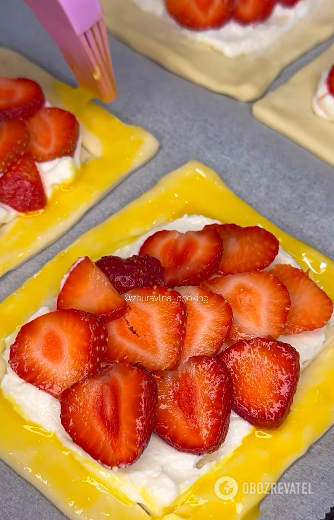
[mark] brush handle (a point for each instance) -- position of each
(57, 15)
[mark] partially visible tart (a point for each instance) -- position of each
(234, 28)
(40, 148)
(242, 52)
(323, 99)
(57, 188)
(302, 109)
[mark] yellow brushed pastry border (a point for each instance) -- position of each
(118, 149)
(245, 78)
(39, 457)
(289, 111)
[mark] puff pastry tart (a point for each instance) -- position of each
(302, 109)
(149, 365)
(231, 47)
(59, 155)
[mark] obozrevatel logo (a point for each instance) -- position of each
(226, 488)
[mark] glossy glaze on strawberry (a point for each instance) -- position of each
(151, 332)
(194, 405)
(253, 11)
(21, 186)
(14, 142)
(54, 133)
(259, 301)
(245, 249)
(188, 258)
(132, 273)
(87, 288)
(19, 98)
(111, 414)
(311, 308)
(200, 14)
(59, 349)
(264, 374)
(209, 319)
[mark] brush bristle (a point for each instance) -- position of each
(90, 61)
(96, 44)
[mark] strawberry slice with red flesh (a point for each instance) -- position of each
(253, 11)
(209, 319)
(194, 405)
(188, 258)
(87, 288)
(200, 14)
(14, 142)
(111, 414)
(58, 349)
(21, 186)
(54, 133)
(245, 248)
(131, 273)
(151, 332)
(311, 308)
(264, 374)
(20, 98)
(259, 301)
(330, 81)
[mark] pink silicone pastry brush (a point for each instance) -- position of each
(78, 30)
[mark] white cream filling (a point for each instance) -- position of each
(59, 171)
(234, 39)
(323, 100)
(162, 473)
(53, 174)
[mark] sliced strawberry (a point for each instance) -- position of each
(111, 415)
(152, 331)
(21, 186)
(200, 14)
(188, 258)
(209, 319)
(194, 405)
(259, 301)
(132, 273)
(58, 349)
(245, 248)
(19, 98)
(253, 11)
(264, 374)
(311, 308)
(14, 141)
(330, 81)
(54, 133)
(87, 288)
(288, 3)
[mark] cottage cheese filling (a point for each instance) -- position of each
(234, 39)
(323, 100)
(162, 473)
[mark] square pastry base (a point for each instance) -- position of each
(86, 492)
(111, 150)
(245, 77)
(289, 110)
